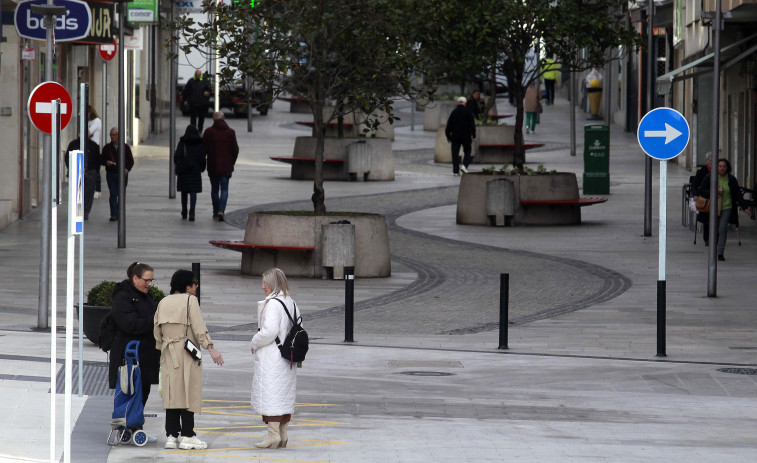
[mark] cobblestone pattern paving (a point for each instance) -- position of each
(459, 281)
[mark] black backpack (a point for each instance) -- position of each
(296, 344)
(107, 333)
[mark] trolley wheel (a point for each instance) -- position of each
(139, 438)
(126, 436)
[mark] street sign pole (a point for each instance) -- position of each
(53, 200)
(663, 134)
(712, 264)
(121, 130)
(84, 134)
(172, 113)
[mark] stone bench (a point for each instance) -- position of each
(303, 168)
(257, 258)
(297, 105)
(331, 129)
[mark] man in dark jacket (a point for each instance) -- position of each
(91, 170)
(109, 159)
(196, 95)
(221, 145)
(460, 130)
(476, 105)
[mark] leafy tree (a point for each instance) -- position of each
(356, 54)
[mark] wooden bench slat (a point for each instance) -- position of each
(329, 124)
(243, 246)
(291, 159)
(582, 201)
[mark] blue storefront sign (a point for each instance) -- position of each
(74, 25)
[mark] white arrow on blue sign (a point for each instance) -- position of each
(663, 133)
(74, 25)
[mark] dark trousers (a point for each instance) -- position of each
(192, 202)
(197, 116)
(550, 86)
(180, 421)
(90, 180)
(112, 179)
(219, 202)
(456, 155)
(98, 186)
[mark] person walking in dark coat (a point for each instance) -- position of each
(196, 96)
(189, 160)
(475, 105)
(460, 131)
(221, 145)
(133, 312)
(731, 200)
(91, 170)
(696, 187)
(109, 159)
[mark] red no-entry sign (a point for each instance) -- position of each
(108, 50)
(40, 106)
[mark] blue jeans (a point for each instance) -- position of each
(219, 203)
(192, 202)
(112, 179)
(725, 216)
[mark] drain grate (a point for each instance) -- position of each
(94, 379)
(739, 371)
(426, 373)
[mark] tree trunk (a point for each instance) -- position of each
(519, 155)
(318, 198)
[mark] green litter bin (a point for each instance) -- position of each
(596, 159)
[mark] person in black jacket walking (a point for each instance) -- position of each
(732, 199)
(133, 312)
(189, 160)
(696, 187)
(460, 131)
(91, 170)
(196, 96)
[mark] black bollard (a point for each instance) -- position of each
(349, 302)
(504, 303)
(196, 271)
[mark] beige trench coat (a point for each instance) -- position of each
(180, 375)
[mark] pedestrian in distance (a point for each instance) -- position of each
(189, 160)
(91, 169)
(729, 201)
(531, 105)
(177, 319)
(220, 143)
(95, 130)
(110, 161)
(133, 313)
(460, 132)
(475, 105)
(696, 188)
(196, 98)
(274, 381)
(550, 72)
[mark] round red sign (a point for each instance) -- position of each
(108, 50)
(40, 106)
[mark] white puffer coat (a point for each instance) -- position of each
(274, 381)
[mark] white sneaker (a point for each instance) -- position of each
(464, 169)
(172, 442)
(192, 443)
(528, 130)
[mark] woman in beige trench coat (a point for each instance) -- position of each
(179, 317)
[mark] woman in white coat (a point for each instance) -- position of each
(274, 379)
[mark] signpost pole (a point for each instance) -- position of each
(53, 200)
(121, 130)
(661, 293)
(172, 114)
(83, 117)
(712, 261)
(651, 73)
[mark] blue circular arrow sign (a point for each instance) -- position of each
(663, 133)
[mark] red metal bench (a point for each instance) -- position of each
(328, 124)
(294, 160)
(497, 117)
(582, 201)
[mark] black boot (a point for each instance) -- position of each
(192, 216)
(183, 214)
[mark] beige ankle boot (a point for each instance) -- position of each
(273, 438)
(283, 434)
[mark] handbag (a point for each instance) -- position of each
(702, 204)
(539, 107)
(189, 346)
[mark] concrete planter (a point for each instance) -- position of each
(92, 316)
(494, 135)
(472, 200)
(298, 229)
(436, 114)
(381, 158)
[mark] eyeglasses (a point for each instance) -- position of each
(148, 281)
(195, 282)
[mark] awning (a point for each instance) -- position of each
(665, 81)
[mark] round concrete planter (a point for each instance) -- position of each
(471, 199)
(301, 229)
(381, 162)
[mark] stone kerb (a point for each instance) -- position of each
(381, 158)
(472, 199)
(303, 229)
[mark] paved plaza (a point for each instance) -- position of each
(424, 381)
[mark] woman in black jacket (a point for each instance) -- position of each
(730, 192)
(696, 187)
(189, 160)
(134, 314)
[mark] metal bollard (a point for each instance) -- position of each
(504, 303)
(349, 303)
(196, 271)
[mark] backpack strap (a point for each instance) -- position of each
(278, 341)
